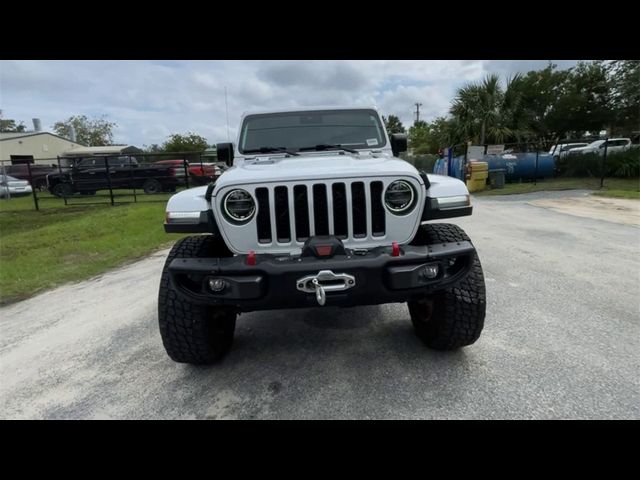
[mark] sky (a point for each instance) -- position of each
(149, 100)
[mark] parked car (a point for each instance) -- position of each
(88, 175)
(199, 174)
(561, 150)
(38, 173)
(13, 187)
(613, 145)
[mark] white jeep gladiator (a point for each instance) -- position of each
(317, 209)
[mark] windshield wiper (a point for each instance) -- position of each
(270, 150)
(326, 146)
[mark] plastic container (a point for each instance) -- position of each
(478, 173)
(497, 178)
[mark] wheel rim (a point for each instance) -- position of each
(152, 187)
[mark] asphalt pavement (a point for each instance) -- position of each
(561, 340)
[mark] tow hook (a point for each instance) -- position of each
(325, 281)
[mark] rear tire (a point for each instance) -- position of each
(453, 317)
(62, 190)
(152, 186)
(192, 333)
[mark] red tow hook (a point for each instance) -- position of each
(251, 258)
(395, 249)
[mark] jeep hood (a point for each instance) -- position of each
(312, 167)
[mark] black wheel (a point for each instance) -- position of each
(40, 184)
(194, 333)
(152, 186)
(62, 190)
(453, 317)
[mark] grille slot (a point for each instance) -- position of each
(377, 210)
(301, 212)
(263, 220)
(359, 210)
(340, 228)
(320, 213)
(281, 201)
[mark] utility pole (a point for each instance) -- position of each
(226, 106)
(417, 112)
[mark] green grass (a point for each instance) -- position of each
(40, 250)
(613, 187)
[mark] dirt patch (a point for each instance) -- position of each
(617, 210)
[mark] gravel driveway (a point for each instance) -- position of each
(562, 340)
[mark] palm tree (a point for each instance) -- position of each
(487, 111)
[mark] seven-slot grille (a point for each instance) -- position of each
(344, 209)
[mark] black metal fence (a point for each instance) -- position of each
(544, 158)
(114, 179)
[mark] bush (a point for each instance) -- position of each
(624, 164)
(618, 164)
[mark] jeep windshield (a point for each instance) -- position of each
(312, 130)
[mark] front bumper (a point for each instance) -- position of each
(272, 283)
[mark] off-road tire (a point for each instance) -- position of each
(453, 317)
(152, 186)
(62, 190)
(193, 333)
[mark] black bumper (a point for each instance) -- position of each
(272, 282)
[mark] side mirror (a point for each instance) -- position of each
(225, 153)
(398, 143)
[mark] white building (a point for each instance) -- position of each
(39, 147)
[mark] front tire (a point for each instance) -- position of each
(152, 186)
(62, 190)
(454, 317)
(192, 333)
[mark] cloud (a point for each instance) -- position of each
(149, 100)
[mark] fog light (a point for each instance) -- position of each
(217, 284)
(430, 271)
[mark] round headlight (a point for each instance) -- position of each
(399, 197)
(238, 206)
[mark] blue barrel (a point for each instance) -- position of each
(522, 166)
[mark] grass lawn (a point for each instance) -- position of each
(613, 187)
(40, 250)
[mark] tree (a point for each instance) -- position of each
(393, 124)
(92, 132)
(419, 138)
(624, 81)
(488, 112)
(9, 125)
(540, 91)
(153, 148)
(189, 142)
(583, 102)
